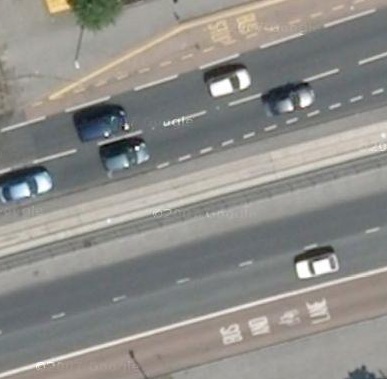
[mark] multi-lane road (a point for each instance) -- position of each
(345, 63)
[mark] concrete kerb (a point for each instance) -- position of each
(189, 189)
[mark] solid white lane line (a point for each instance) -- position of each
(349, 18)
(119, 298)
(156, 82)
(88, 104)
(311, 246)
(245, 263)
(185, 158)
(356, 98)
(291, 120)
(199, 319)
(222, 60)
(373, 58)
(206, 150)
(248, 135)
(22, 124)
(372, 230)
(55, 156)
(162, 165)
(314, 113)
(281, 40)
(58, 316)
(118, 138)
(378, 91)
(244, 99)
(334, 106)
(270, 128)
(227, 143)
(183, 281)
(196, 115)
(322, 75)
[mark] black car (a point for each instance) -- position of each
(100, 122)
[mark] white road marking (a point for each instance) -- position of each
(118, 298)
(311, 246)
(295, 21)
(185, 158)
(248, 135)
(58, 316)
(245, 263)
(183, 281)
(315, 15)
(227, 143)
(322, 75)
(22, 124)
(338, 7)
(349, 18)
(143, 70)
(101, 83)
(334, 106)
(314, 113)
(196, 115)
(378, 91)
(122, 76)
(222, 60)
(5, 170)
(291, 120)
(156, 82)
(372, 230)
(373, 58)
(162, 165)
(244, 100)
(270, 128)
(199, 319)
(88, 104)
(165, 63)
(62, 154)
(356, 98)
(1, 332)
(187, 56)
(208, 49)
(281, 40)
(119, 138)
(206, 150)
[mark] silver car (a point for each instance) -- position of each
(25, 183)
(288, 98)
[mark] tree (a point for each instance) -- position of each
(96, 14)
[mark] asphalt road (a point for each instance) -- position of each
(223, 270)
(219, 125)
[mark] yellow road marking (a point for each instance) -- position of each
(168, 35)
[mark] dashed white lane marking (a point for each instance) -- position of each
(295, 21)
(101, 83)
(244, 99)
(358, 1)
(183, 280)
(335, 106)
(122, 76)
(156, 82)
(206, 150)
(372, 230)
(315, 15)
(314, 113)
(338, 7)
(5, 170)
(88, 104)
(1, 332)
(311, 246)
(270, 128)
(222, 60)
(118, 138)
(185, 157)
(58, 316)
(378, 91)
(22, 124)
(248, 135)
(119, 298)
(143, 70)
(291, 120)
(373, 58)
(322, 75)
(281, 40)
(245, 263)
(228, 142)
(187, 56)
(165, 63)
(202, 318)
(349, 18)
(162, 165)
(55, 156)
(196, 114)
(356, 98)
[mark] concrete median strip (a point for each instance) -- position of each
(181, 191)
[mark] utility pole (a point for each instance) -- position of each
(78, 49)
(134, 359)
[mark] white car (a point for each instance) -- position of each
(227, 80)
(316, 262)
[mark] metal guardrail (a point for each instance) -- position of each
(214, 207)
